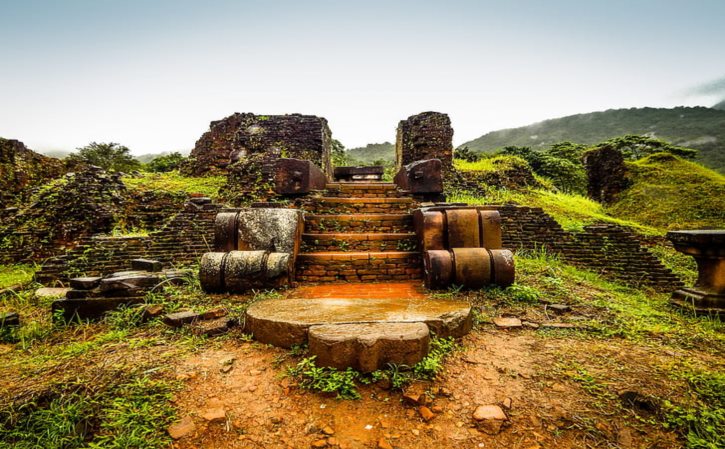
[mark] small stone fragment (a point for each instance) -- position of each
(146, 265)
(152, 311)
(178, 319)
(507, 403)
(489, 418)
(426, 413)
(383, 444)
(182, 428)
(558, 308)
(213, 415)
(212, 328)
(507, 322)
(9, 319)
(530, 324)
(414, 395)
(327, 430)
(215, 313)
(50, 292)
(85, 283)
(320, 443)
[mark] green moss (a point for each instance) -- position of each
(174, 182)
(490, 164)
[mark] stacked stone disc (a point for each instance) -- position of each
(463, 246)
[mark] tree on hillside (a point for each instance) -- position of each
(465, 154)
(561, 164)
(340, 157)
(109, 156)
(636, 147)
(165, 163)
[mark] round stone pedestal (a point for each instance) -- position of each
(365, 334)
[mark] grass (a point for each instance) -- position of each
(344, 383)
(489, 164)
(131, 414)
(572, 212)
(18, 274)
(174, 182)
(671, 193)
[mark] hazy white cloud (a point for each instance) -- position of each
(152, 75)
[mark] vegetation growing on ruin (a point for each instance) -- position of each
(174, 182)
(671, 193)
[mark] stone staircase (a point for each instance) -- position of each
(359, 232)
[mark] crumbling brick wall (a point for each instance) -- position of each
(21, 169)
(239, 136)
(606, 174)
(428, 135)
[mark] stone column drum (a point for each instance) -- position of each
(707, 246)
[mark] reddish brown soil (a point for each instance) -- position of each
(265, 409)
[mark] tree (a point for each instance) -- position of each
(465, 154)
(109, 156)
(340, 157)
(165, 163)
(634, 147)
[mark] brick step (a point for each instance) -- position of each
(363, 190)
(358, 266)
(332, 205)
(401, 241)
(358, 223)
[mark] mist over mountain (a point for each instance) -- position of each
(700, 128)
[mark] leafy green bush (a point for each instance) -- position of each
(109, 156)
(165, 163)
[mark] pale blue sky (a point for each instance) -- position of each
(152, 75)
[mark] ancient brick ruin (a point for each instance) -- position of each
(428, 135)
(606, 174)
(22, 169)
(240, 136)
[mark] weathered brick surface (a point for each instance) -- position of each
(359, 242)
(358, 223)
(182, 241)
(331, 205)
(358, 267)
(425, 136)
(609, 249)
(238, 136)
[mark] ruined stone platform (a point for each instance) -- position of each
(364, 333)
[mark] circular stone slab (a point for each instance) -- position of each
(370, 346)
(285, 322)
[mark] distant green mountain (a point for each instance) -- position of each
(720, 106)
(694, 127)
(373, 152)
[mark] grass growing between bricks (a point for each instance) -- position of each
(16, 275)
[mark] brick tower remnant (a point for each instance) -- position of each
(239, 136)
(427, 135)
(606, 174)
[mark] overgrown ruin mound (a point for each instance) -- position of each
(21, 169)
(62, 212)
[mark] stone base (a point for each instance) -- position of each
(370, 346)
(285, 322)
(699, 302)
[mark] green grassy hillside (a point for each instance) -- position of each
(671, 193)
(373, 152)
(699, 128)
(667, 193)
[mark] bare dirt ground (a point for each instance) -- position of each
(263, 408)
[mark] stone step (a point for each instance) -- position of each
(358, 223)
(358, 266)
(363, 190)
(317, 242)
(332, 205)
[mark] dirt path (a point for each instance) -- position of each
(262, 408)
